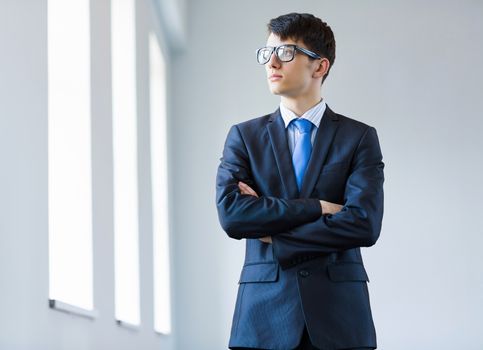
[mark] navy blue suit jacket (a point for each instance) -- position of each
(312, 273)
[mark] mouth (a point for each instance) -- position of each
(274, 77)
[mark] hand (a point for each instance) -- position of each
(330, 208)
(245, 189)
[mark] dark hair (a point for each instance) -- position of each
(312, 31)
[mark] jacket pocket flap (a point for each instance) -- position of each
(347, 272)
(259, 273)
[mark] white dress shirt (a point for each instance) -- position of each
(314, 115)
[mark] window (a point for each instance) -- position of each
(69, 152)
(159, 180)
(126, 245)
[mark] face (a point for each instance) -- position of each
(295, 78)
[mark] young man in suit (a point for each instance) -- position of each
(304, 187)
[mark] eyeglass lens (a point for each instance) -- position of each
(284, 53)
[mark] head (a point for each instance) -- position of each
(304, 73)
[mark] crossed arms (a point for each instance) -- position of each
(326, 207)
(301, 227)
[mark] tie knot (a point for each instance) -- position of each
(303, 125)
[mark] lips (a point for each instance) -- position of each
(274, 77)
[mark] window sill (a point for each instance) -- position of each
(72, 309)
(127, 325)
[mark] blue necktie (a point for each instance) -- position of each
(302, 150)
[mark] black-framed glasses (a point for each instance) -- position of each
(285, 53)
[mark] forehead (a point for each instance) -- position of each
(274, 40)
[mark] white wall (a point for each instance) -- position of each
(413, 70)
(26, 322)
(410, 68)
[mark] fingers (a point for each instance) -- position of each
(245, 189)
(267, 239)
(330, 208)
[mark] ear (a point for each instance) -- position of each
(322, 68)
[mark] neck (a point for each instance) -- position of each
(301, 104)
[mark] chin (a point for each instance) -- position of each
(275, 90)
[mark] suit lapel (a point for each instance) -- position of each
(323, 139)
(278, 138)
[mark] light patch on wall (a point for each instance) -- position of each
(69, 152)
(159, 178)
(126, 226)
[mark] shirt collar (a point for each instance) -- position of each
(313, 115)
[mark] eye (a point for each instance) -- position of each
(264, 54)
(285, 53)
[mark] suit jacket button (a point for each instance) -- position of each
(304, 273)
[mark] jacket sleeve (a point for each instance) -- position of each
(358, 224)
(246, 216)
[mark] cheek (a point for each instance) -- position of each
(297, 75)
(303, 75)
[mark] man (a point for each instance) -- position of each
(304, 187)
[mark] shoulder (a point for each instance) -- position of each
(251, 131)
(354, 132)
(255, 123)
(349, 125)
(352, 123)
(255, 127)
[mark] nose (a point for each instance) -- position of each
(273, 61)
